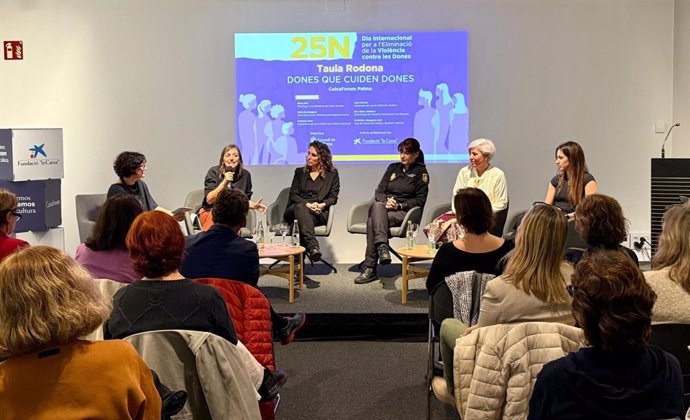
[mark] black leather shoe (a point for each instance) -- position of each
(271, 385)
(287, 334)
(384, 254)
(366, 276)
(314, 254)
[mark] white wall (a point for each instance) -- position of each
(680, 140)
(157, 76)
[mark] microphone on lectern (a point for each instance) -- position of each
(663, 145)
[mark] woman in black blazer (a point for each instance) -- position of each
(313, 191)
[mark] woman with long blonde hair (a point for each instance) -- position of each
(48, 301)
(670, 275)
(531, 288)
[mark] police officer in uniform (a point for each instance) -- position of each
(404, 185)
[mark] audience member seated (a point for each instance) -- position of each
(314, 190)
(479, 174)
(599, 221)
(164, 300)
(573, 182)
(104, 254)
(620, 376)
(404, 185)
(229, 173)
(532, 287)
(670, 275)
(477, 250)
(222, 253)
(51, 374)
(9, 216)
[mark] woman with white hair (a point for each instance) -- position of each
(478, 174)
(245, 124)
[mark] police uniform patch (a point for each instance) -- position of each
(425, 177)
(392, 176)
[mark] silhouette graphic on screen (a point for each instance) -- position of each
(245, 124)
(260, 131)
(458, 135)
(426, 123)
(272, 131)
(443, 105)
(285, 146)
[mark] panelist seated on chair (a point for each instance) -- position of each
(478, 250)
(230, 173)
(573, 181)
(51, 373)
(314, 190)
(104, 253)
(221, 253)
(130, 168)
(531, 288)
(164, 299)
(404, 185)
(619, 375)
(478, 174)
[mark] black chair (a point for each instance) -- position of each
(440, 308)
(675, 339)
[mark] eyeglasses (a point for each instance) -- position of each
(571, 289)
(16, 214)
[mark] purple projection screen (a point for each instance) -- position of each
(359, 92)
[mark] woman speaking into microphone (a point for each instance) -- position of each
(229, 173)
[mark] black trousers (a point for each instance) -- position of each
(380, 219)
(306, 220)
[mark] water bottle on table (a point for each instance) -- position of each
(295, 233)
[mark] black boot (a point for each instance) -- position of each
(384, 254)
(367, 276)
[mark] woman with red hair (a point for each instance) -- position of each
(164, 299)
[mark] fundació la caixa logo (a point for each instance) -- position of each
(37, 151)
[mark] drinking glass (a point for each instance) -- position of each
(284, 229)
(272, 233)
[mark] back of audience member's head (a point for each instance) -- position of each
(674, 245)
(473, 210)
(599, 220)
(231, 208)
(113, 222)
(612, 302)
(535, 264)
(127, 163)
(155, 243)
(46, 299)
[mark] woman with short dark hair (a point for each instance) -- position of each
(130, 168)
(600, 222)
(51, 302)
(104, 253)
(477, 250)
(404, 185)
(620, 376)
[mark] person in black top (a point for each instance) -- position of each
(620, 376)
(404, 185)
(164, 299)
(573, 181)
(130, 168)
(599, 221)
(229, 173)
(477, 250)
(314, 190)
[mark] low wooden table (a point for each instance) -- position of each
(411, 271)
(286, 253)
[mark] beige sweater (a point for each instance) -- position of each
(503, 303)
(672, 302)
(495, 367)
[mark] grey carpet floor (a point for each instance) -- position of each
(359, 380)
(328, 292)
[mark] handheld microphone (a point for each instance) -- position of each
(663, 145)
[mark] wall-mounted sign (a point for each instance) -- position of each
(14, 50)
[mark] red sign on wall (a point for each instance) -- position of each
(14, 50)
